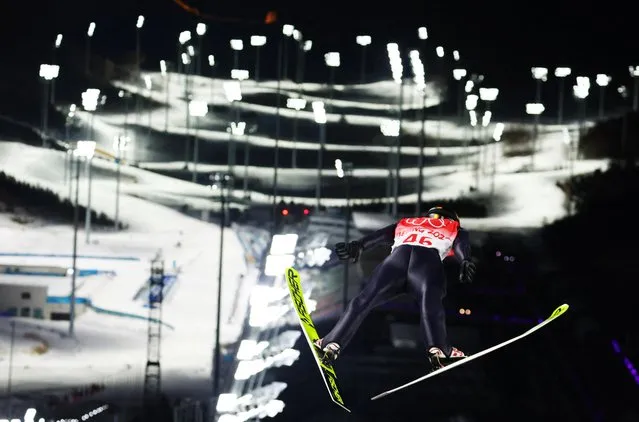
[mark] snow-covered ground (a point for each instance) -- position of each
(110, 344)
(541, 200)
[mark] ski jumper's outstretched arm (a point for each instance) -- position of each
(383, 236)
(461, 245)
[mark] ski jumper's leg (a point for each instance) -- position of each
(385, 282)
(427, 283)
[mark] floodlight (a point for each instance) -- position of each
(389, 127)
(288, 30)
(258, 40)
(488, 94)
(237, 45)
(198, 108)
(332, 59)
(319, 112)
(459, 74)
(535, 108)
(539, 73)
(603, 79)
(184, 37)
(471, 102)
(562, 72)
(239, 74)
(363, 40)
(296, 103)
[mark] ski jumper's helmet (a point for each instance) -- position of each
(441, 212)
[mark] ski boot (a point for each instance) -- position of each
(329, 353)
(438, 359)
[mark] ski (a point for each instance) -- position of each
(558, 312)
(310, 333)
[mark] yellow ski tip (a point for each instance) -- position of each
(560, 310)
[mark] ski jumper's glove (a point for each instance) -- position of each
(350, 250)
(467, 271)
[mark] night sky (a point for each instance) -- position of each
(499, 39)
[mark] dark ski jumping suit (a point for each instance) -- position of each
(414, 266)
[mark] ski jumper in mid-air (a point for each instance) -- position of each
(414, 267)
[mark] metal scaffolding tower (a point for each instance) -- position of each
(152, 375)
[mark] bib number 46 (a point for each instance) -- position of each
(418, 238)
(423, 239)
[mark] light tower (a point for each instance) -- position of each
(534, 109)
(602, 80)
(561, 73)
(363, 40)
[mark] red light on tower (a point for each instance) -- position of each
(306, 211)
(284, 211)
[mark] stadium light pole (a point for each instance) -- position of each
(441, 54)
(459, 75)
(198, 109)
(634, 73)
(233, 91)
(534, 109)
(239, 129)
(276, 153)
(87, 63)
(166, 76)
(238, 75)
(120, 144)
(419, 79)
(237, 45)
(602, 80)
(397, 70)
(68, 161)
(186, 60)
(364, 41)
(471, 105)
(389, 128)
(90, 99)
(83, 149)
(56, 45)
(287, 32)
(580, 91)
(257, 41)
(319, 115)
(332, 60)
(211, 59)
(307, 45)
(296, 104)
(488, 96)
(138, 29)
(221, 182)
(540, 75)
(345, 171)
(561, 73)
(497, 133)
(48, 73)
(200, 30)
